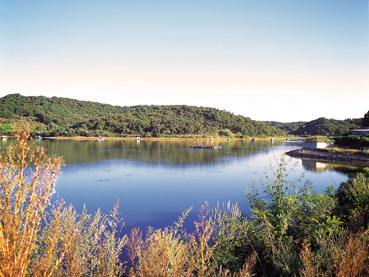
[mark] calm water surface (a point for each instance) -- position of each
(157, 181)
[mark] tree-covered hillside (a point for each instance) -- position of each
(289, 127)
(68, 117)
(321, 126)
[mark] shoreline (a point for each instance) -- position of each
(324, 156)
(162, 139)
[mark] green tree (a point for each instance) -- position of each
(226, 133)
(353, 198)
(72, 115)
(366, 120)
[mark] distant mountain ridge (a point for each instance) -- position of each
(321, 126)
(57, 116)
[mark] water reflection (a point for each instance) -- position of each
(157, 180)
(153, 152)
(317, 166)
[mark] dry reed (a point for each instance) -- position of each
(27, 180)
(60, 242)
(308, 261)
(352, 258)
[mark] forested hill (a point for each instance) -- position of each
(321, 126)
(68, 117)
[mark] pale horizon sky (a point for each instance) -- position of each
(276, 60)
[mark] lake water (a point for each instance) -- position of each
(156, 181)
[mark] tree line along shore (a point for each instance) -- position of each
(57, 116)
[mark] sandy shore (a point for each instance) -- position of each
(324, 156)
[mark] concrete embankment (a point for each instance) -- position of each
(325, 156)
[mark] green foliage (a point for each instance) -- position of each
(352, 141)
(5, 129)
(366, 120)
(234, 235)
(68, 117)
(286, 215)
(319, 127)
(226, 133)
(288, 127)
(353, 198)
(318, 139)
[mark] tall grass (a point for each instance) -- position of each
(173, 252)
(25, 193)
(34, 242)
(95, 244)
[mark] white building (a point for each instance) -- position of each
(309, 144)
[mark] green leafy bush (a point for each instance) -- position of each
(352, 141)
(353, 199)
(286, 215)
(226, 133)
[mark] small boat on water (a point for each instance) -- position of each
(294, 140)
(205, 147)
(100, 138)
(5, 137)
(253, 139)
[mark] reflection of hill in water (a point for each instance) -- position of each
(152, 152)
(350, 170)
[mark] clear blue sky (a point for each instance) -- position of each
(284, 60)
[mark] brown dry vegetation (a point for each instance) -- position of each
(55, 243)
(24, 198)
